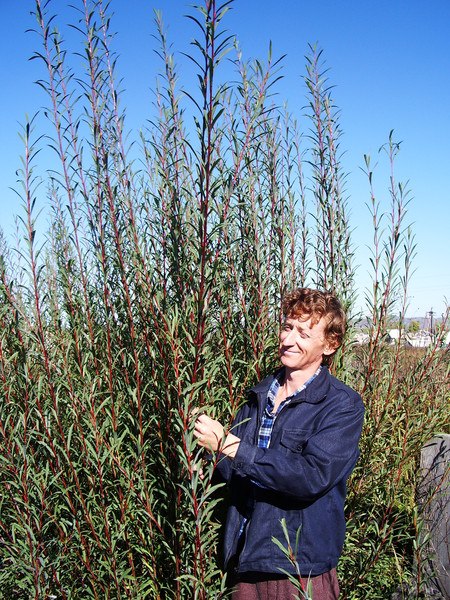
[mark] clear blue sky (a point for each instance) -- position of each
(389, 60)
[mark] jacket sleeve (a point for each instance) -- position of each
(306, 465)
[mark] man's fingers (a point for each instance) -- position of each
(197, 412)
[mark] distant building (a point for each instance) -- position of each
(392, 336)
(421, 339)
(362, 338)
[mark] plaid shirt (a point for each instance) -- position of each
(268, 418)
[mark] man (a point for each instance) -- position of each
(287, 457)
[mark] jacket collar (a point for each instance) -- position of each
(313, 393)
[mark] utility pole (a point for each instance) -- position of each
(431, 313)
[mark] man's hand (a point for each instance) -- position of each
(210, 434)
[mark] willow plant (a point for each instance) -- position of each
(156, 291)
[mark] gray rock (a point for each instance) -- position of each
(434, 504)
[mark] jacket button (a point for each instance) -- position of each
(239, 465)
(299, 446)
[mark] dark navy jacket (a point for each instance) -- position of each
(301, 478)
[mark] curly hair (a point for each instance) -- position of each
(315, 304)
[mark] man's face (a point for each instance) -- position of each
(303, 344)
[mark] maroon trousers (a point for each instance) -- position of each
(267, 586)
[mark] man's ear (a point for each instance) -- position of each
(329, 349)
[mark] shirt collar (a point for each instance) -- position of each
(277, 381)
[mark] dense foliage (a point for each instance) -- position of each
(156, 291)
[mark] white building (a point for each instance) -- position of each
(421, 339)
